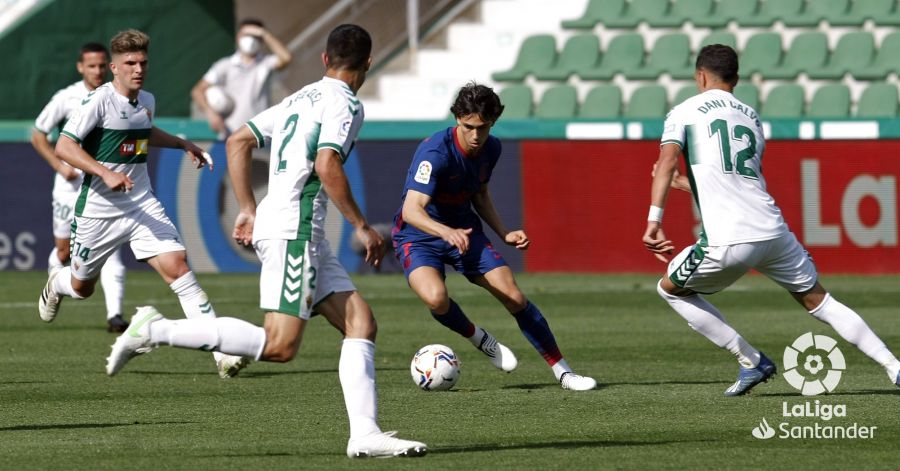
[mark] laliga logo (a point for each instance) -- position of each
(804, 366)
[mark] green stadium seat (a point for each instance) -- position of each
(748, 94)
(691, 10)
(783, 101)
(517, 100)
(558, 102)
(597, 11)
(671, 54)
(602, 101)
(882, 12)
(761, 54)
(827, 10)
(625, 51)
(774, 10)
(536, 53)
(648, 101)
(886, 61)
(878, 100)
(684, 93)
(580, 53)
(726, 11)
(652, 12)
(721, 37)
(830, 101)
(854, 50)
(808, 51)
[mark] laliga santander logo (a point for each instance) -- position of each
(805, 365)
(764, 431)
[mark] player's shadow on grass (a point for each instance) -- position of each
(861, 392)
(17, 428)
(248, 374)
(608, 385)
(567, 444)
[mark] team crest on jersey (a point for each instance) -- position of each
(345, 127)
(423, 173)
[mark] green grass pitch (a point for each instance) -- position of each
(660, 403)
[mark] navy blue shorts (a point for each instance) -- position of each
(478, 260)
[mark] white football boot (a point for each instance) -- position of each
(48, 303)
(384, 445)
(230, 365)
(135, 341)
(500, 356)
(574, 382)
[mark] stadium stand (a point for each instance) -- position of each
(671, 55)
(625, 52)
(853, 50)
(602, 101)
(580, 53)
(648, 101)
(878, 100)
(784, 101)
(537, 53)
(809, 50)
(558, 102)
(830, 101)
(518, 101)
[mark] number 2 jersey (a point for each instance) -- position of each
(324, 114)
(722, 142)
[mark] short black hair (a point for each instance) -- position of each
(477, 99)
(250, 21)
(721, 60)
(88, 48)
(348, 47)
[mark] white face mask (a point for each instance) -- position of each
(248, 44)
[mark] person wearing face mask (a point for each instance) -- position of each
(244, 76)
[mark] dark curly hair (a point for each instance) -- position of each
(477, 99)
(721, 60)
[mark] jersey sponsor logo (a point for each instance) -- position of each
(423, 173)
(345, 127)
(133, 147)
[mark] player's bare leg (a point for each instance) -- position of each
(428, 284)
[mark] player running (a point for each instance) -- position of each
(92, 64)
(445, 197)
(722, 142)
(312, 134)
(108, 137)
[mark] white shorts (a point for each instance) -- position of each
(147, 228)
(297, 275)
(709, 270)
(64, 198)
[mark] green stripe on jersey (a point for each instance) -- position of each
(308, 195)
(119, 146)
(292, 289)
(260, 141)
(337, 148)
(82, 195)
(71, 136)
(688, 266)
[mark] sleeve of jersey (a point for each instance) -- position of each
(673, 129)
(51, 115)
(337, 124)
(426, 168)
(263, 125)
(84, 119)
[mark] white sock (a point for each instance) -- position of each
(356, 370)
(193, 299)
(227, 335)
(854, 329)
(559, 368)
(475, 339)
(112, 278)
(53, 261)
(62, 284)
(709, 322)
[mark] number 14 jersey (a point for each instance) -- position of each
(722, 142)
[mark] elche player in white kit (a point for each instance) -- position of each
(108, 137)
(92, 64)
(312, 133)
(722, 142)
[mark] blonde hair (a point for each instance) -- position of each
(130, 40)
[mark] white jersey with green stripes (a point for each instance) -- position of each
(115, 131)
(722, 141)
(324, 114)
(54, 116)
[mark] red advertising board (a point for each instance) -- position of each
(585, 203)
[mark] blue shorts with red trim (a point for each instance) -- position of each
(478, 260)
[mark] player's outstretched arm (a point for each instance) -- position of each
(664, 171)
(484, 206)
(239, 149)
(72, 153)
(160, 138)
(44, 148)
(414, 213)
(330, 169)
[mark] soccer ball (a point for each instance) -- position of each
(219, 101)
(435, 368)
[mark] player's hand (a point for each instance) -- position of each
(517, 239)
(117, 181)
(253, 30)
(656, 242)
(243, 229)
(458, 238)
(198, 156)
(373, 243)
(67, 172)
